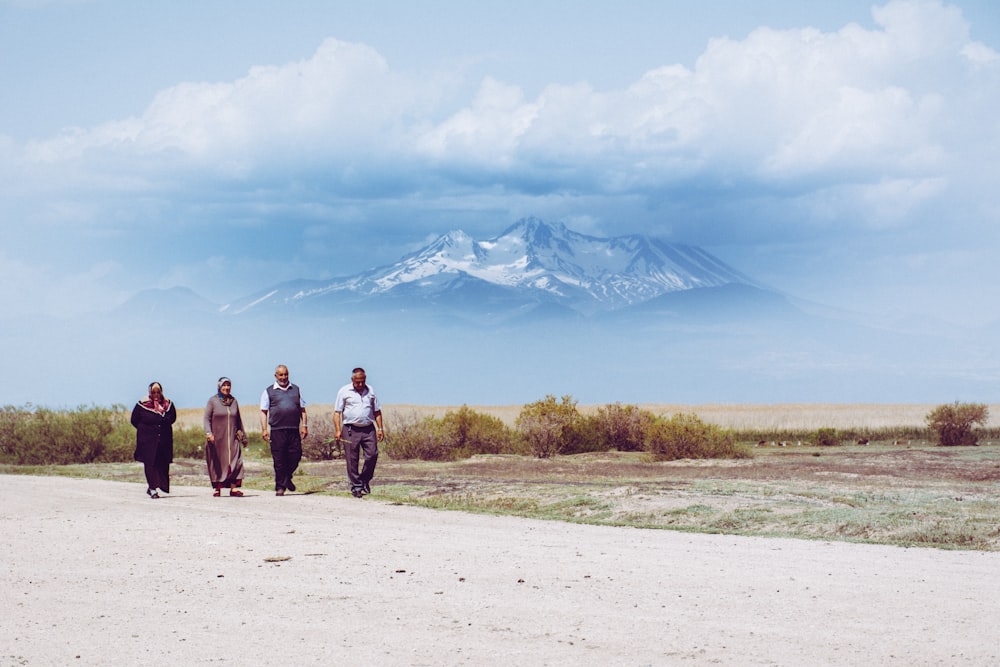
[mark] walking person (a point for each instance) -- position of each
(283, 423)
(153, 418)
(357, 418)
(225, 439)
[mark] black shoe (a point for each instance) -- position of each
(291, 485)
(366, 489)
(356, 493)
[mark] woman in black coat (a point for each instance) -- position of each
(153, 419)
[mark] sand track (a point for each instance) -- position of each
(98, 574)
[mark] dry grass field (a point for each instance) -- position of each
(786, 416)
(918, 495)
(909, 493)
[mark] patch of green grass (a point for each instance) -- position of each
(930, 497)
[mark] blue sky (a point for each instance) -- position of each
(842, 151)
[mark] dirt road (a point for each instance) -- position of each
(96, 573)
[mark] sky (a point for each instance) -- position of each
(840, 151)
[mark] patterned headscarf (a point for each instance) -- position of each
(159, 405)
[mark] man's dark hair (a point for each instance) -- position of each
(358, 370)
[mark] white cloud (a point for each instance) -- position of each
(342, 98)
(487, 132)
(781, 108)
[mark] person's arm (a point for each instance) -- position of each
(304, 424)
(265, 405)
(379, 433)
(338, 415)
(206, 422)
(240, 430)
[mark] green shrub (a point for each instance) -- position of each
(189, 442)
(459, 434)
(953, 422)
(827, 437)
(685, 436)
(119, 444)
(38, 436)
(468, 433)
(548, 426)
(623, 427)
(583, 435)
(321, 443)
(414, 438)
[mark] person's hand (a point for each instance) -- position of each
(264, 434)
(209, 437)
(379, 435)
(303, 432)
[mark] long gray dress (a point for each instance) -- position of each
(225, 455)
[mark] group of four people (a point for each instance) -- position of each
(284, 424)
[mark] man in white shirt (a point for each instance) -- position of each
(357, 416)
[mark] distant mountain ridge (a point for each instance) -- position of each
(537, 309)
(532, 265)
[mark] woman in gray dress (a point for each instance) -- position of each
(225, 439)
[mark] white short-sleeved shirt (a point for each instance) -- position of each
(357, 409)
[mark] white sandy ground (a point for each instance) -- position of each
(95, 573)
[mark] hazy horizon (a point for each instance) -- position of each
(841, 152)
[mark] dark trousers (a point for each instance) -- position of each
(360, 439)
(158, 473)
(286, 452)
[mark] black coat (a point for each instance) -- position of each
(154, 434)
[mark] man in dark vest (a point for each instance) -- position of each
(283, 423)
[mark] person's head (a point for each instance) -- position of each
(281, 375)
(155, 390)
(225, 386)
(358, 378)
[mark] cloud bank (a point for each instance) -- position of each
(782, 137)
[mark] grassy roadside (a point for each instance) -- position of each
(917, 495)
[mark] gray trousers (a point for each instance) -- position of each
(358, 440)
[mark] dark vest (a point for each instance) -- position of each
(285, 409)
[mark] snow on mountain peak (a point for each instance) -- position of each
(540, 261)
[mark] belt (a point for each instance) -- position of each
(361, 426)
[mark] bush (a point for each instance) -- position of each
(41, 436)
(38, 436)
(547, 426)
(583, 435)
(685, 436)
(953, 423)
(468, 433)
(459, 434)
(415, 438)
(321, 443)
(189, 442)
(119, 445)
(623, 427)
(827, 437)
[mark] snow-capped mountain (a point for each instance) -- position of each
(531, 264)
